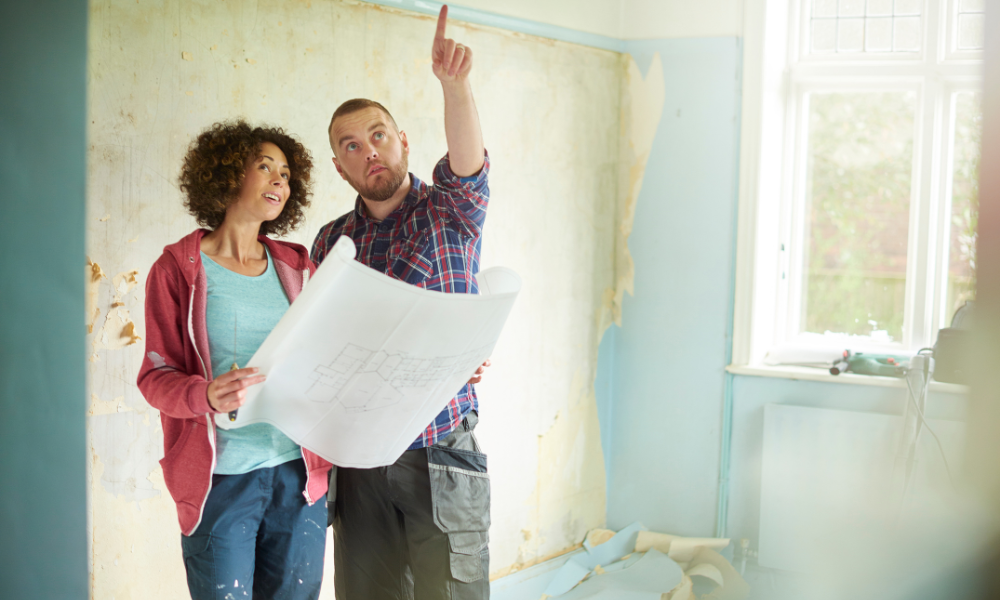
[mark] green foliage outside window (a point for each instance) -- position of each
(859, 172)
(964, 201)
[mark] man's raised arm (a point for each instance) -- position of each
(452, 63)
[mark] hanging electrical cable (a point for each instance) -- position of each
(921, 369)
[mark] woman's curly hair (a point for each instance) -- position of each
(214, 167)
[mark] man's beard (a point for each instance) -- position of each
(383, 189)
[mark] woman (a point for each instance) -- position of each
(250, 501)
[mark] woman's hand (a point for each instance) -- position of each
(478, 375)
(228, 392)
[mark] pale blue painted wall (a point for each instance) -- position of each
(669, 356)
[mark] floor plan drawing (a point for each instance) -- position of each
(361, 379)
(361, 362)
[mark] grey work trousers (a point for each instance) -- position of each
(417, 529)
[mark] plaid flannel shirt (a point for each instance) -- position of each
(433, 241)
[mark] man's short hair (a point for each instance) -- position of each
(353, 106)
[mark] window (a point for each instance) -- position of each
(967, 32)
(964, 193)
(841, 26)
(859, 179)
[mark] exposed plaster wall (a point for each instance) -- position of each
(641, 109)
(160, 72)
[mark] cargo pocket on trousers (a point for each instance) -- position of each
(468, 549)
(460, 498)
(195, 545)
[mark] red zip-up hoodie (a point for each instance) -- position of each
(177, 369)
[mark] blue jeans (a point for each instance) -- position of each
(258, 538)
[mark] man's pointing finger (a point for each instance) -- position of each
(442, 21)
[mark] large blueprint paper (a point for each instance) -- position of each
(361, 363)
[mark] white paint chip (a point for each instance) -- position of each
(157, 360)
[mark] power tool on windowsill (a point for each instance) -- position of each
(863, 363)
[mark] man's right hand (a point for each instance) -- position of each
(450, 62)
(228, 392)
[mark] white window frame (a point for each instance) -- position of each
(778, 76)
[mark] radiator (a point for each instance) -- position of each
(829, 479)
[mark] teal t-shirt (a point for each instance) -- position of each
(250, 306)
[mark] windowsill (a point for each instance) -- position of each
(817, 374)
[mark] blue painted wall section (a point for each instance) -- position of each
(480, 17)
(670, 354)
(43, 495)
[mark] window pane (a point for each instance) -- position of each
(852, 8)
(908, 7)
(907, 37)
(970, 31)
(824, 8)
(824, 35)
(851, 35)
(859, 163)
(855, 26)
(879, 8)
(964, 201)
(878, 37)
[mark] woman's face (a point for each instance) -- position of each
(265, 186)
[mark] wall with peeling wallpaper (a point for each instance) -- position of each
(562, 124)
(663, 363)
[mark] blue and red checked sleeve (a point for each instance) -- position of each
(324, 240)
(319, 248)
(464, 198)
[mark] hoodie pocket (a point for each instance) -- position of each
(172, 463)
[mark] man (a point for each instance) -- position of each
(417, 528)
